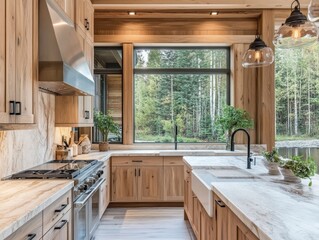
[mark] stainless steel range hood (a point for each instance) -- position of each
(63, 68)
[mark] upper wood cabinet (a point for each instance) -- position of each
(84, 17)
(18, 61)
(73, 111)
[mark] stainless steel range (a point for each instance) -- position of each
(87, 176)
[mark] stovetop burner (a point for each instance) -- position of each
(67, 169)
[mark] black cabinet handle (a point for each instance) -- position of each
(139, 172)
(137, 160)
(63, 222)
(12, 106)
(220, 203)
(31, 236)
(61, 208)
(87, 114)
(88, 26)
(18, 108)
(86, 23)
(135, 172)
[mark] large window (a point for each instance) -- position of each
(183, 87)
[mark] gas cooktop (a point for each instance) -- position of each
(67, 169)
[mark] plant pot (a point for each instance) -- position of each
(272, 167)
(103, 147)
(289, 176)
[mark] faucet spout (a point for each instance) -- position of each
(232, 145)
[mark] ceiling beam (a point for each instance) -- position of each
(194, 4)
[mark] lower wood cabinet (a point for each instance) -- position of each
(206, 225)
(221, 219)
(137, 179)
(54, 223)
(173, 179)
(105, 189)
(188, 195)
(237, 230)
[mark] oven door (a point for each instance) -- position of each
(81, 221)
(94, 210)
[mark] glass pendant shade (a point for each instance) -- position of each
(313, 11)
(258, 55)
(296, 31)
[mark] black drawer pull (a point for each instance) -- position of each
(88, 26)
(87, 114)
(12, 107)
(135, 172)
(139, 172)
(61, 208)
(137, 160)
(63, 222)
(18, 108)
(220, 203)
(31, 236)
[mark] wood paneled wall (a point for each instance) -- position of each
(114, 96)
(252, 89)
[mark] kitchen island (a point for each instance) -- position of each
(268, 206)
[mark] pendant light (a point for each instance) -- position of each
(258, 54)
(296, 31)
(313, 11)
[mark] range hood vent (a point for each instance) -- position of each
(63, 68)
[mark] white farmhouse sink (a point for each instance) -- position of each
(203, 178)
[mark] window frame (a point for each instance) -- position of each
(212, 71)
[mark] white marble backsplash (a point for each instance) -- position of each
(22, 149)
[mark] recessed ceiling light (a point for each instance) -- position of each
(131, 13)
(214, 13)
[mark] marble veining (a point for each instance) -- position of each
(269, 207)
(21, 200)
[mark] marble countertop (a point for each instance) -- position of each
(102, 156)
(21, 200)
(269, 207)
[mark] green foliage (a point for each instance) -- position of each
(272, 156)
(303, 168)
(233, 118)
(105, 123)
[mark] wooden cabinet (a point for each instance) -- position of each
(74, 111)
(18, 58)
(221, 219)
(33, 228)
(206, 225)
(105, 189)
(196, 217)
(54, 223)
(188, 194)
(237, 230)
(137, 179)
(173, 179)
(67, 6)
(62, 229)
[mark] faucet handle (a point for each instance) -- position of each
(255, 161)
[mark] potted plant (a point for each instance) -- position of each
(271, 161)
(105, 123)
(298, 167)
(231, 119)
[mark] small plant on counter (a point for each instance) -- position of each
(272, 156)
(106, 124)
(231, 119)
(303, 168)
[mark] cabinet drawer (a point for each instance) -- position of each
(151, 161)
(56, 210)
(32, 227)
(62, 229)
(173, 161)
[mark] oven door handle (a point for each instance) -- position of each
(79, 204)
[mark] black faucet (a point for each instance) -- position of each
(175, 137)
(232, 145)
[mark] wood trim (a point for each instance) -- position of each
(145, 204)
(266, 88)
(35, 64)
(128, 94)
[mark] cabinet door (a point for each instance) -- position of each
(103, 199)
(174, 183)
(196, 217)
(221, 219)
(206, 225)
(150, 183)
(89, 15)
(62, 229)
(89, 54)
(80, 14)
(85, 110)
(24, 65)
(237, 229)
(4, 98)
(124, 184)
(188, 195)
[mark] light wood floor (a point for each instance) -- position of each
(143, 224)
